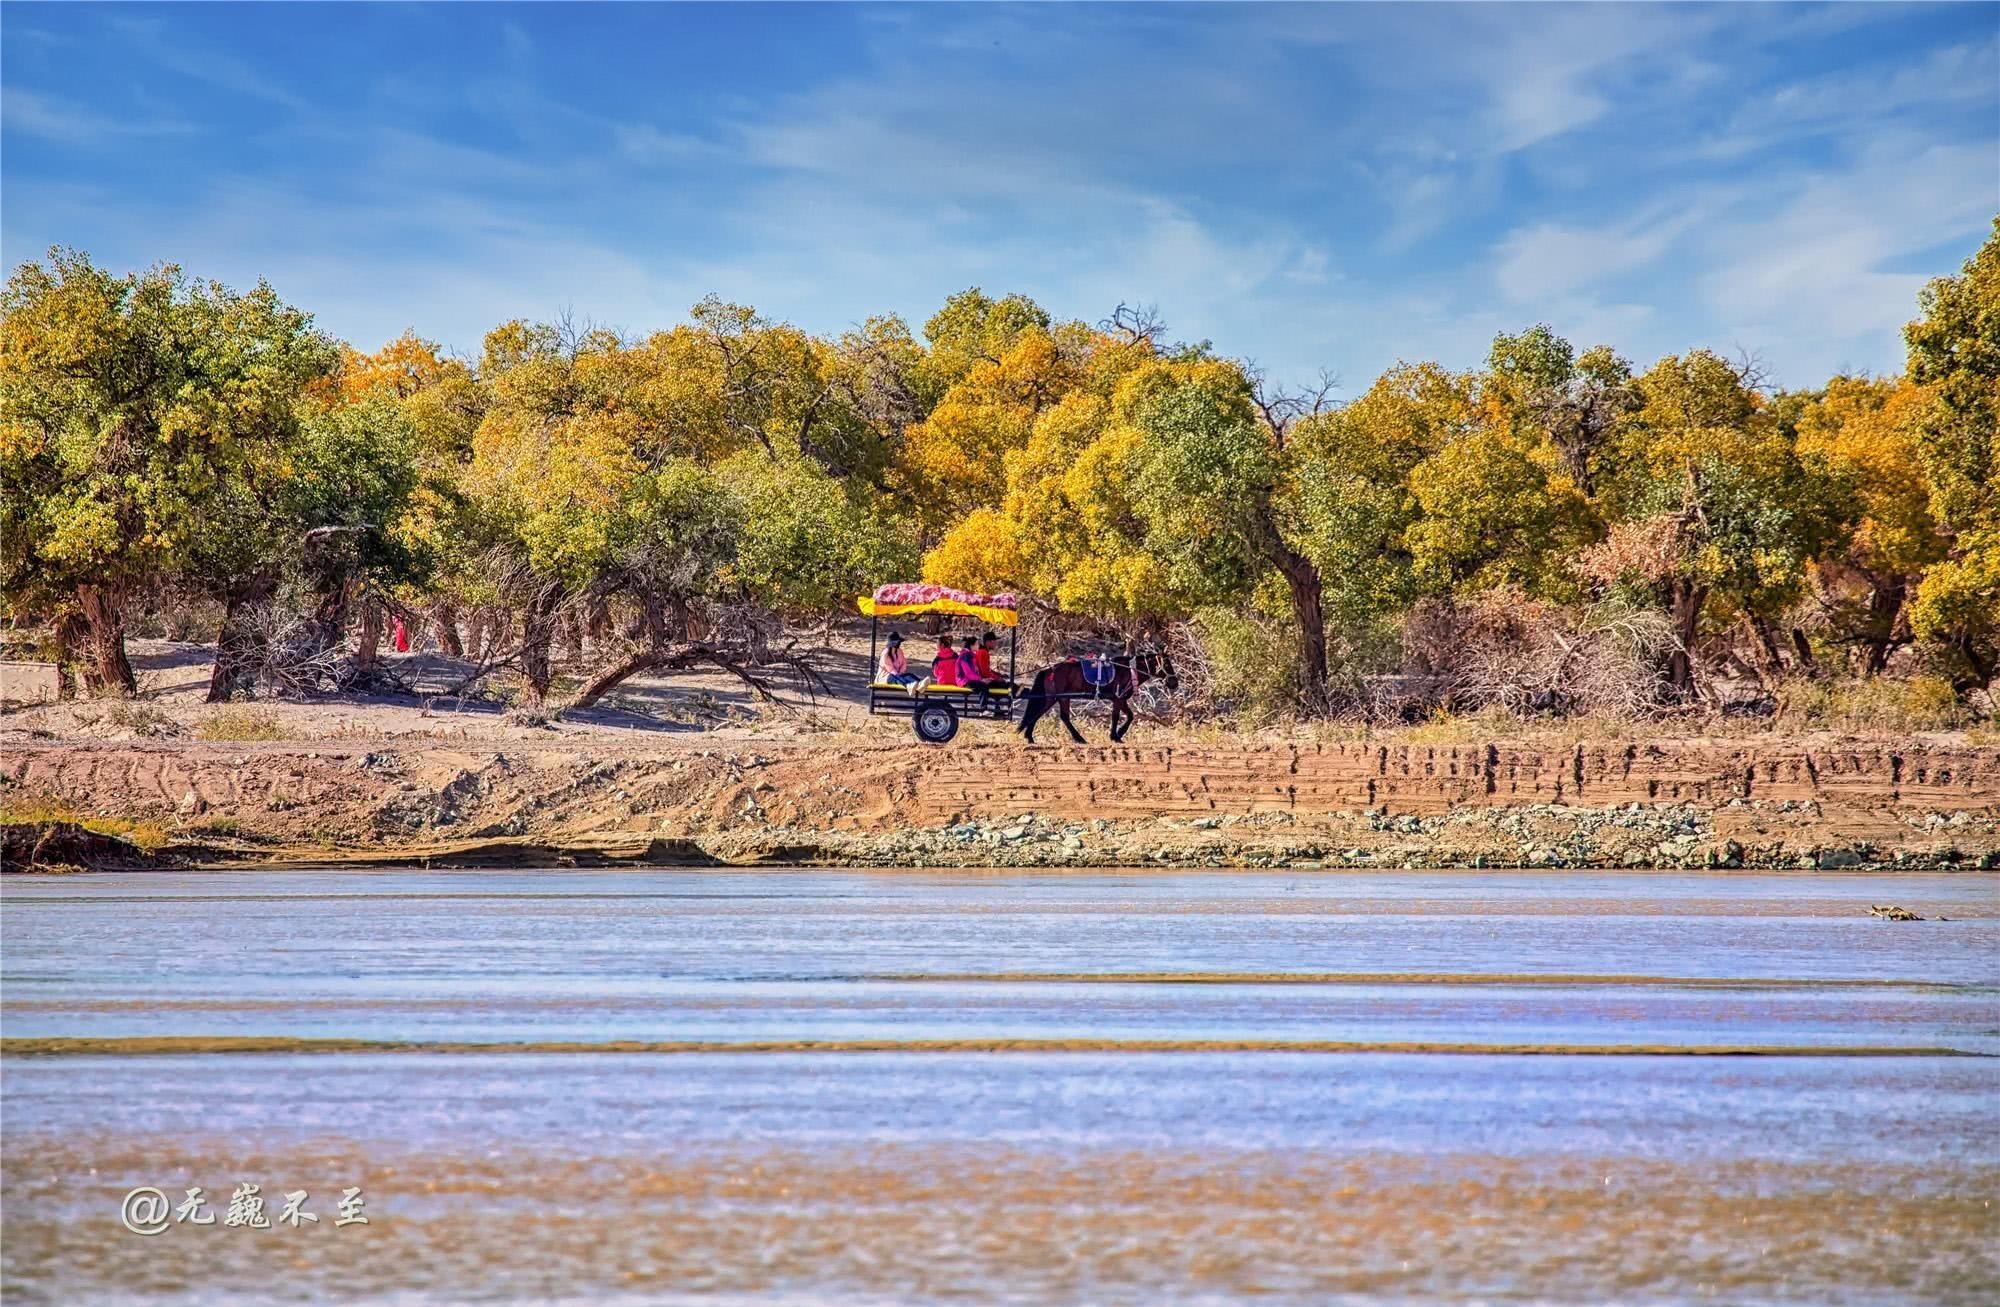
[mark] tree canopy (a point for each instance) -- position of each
(161, 434)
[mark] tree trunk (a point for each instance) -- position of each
(1885, 614)
(1308, 609)
(368, 646)
(1767, 639)
(72, 634)
(449, 643)
(645, 660)
(538, 633)
(108, 670)
(1803, 648)
(687, 623)
(653, 620)
(225, 675)
(1975, 658)
(1684, 601)
(330, 614)
(236, 642)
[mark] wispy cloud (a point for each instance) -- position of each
(1314, 186)
(55, 119)
(162, 44)
(1853, 103)
(643, 143)
(1550, 260)
(1834, 261)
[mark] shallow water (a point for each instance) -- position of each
(1113, 1175)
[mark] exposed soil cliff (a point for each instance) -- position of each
(1674, 803)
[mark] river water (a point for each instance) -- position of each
(829, 1087)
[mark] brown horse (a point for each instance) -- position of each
(1055, 686)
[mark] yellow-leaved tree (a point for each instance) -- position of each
(1955, 356)
(1865, 431)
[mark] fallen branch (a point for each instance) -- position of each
(684, 658)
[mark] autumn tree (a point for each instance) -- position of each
(1713, 512)
(320, 510)
(1955, 357)
(811, 542)
(1228, 501)
(955, 460)
(580, 482)
(129, 406)
(1068, 528)
(1509, 499)
(973, 328)
(1538, 384)
(1865, 432)
(727, 459)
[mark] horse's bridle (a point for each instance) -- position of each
(1154, 665)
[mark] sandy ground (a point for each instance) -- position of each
(173, 684)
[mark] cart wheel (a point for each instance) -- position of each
(936, 723)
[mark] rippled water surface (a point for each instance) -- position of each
(993, 1088)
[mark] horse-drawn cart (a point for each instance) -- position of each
(935, 710)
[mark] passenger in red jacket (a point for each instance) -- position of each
(944, 667)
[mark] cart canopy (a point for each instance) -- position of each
(903, 598)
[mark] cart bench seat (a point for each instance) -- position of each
(888, 697)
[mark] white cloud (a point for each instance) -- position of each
(1334, 187)
(1859, 103)
(1550, 261)
(1310, 268)
(1829, 268)
(645, 144)
(205, 63)
(65, 122)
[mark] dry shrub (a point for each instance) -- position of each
(177, 615)
(1237, 664)
(240, 724)
(142, 718)
(1505, 650)
(1645, 551)
(1921, 703)
(281, 650)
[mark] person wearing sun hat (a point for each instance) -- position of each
(895, 668)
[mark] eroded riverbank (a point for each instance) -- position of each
(1817, 804)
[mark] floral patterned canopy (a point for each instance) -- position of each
(902, 597)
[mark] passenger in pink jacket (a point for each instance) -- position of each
(895, 668)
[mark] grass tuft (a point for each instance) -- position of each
(240, 724)
(146, 836)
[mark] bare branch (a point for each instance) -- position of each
(1282, 408)
(1136, 323)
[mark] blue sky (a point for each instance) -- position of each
(1308, 186)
